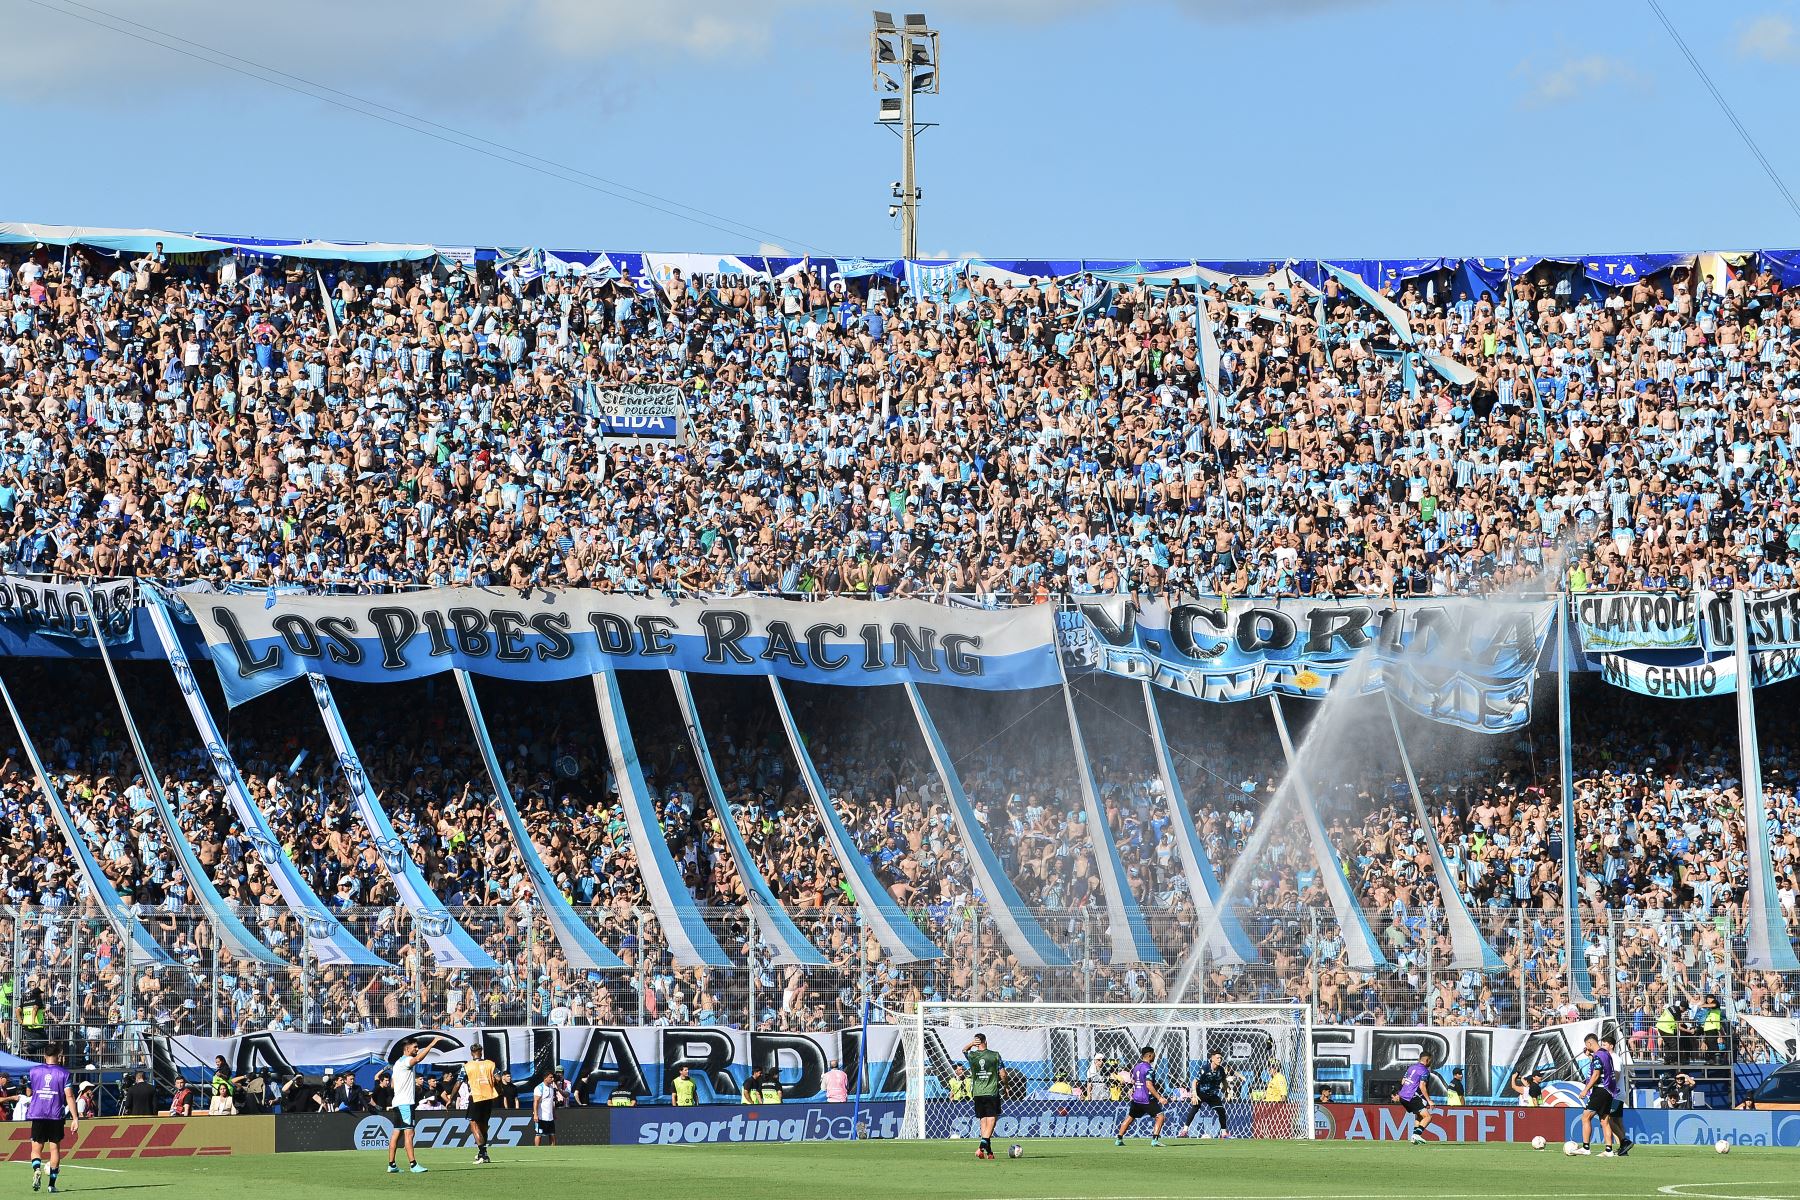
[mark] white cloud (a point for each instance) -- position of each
(1771, 37)
(1572, 78)
(475, 53)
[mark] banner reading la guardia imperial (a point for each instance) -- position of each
(258, 644)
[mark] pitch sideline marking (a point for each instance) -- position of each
(1681, 1192)
(117, 1171)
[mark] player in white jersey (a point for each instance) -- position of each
(406, 1095)
(543, 1109)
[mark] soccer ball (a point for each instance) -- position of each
(1570, 1149)
(954, 1136)
(1015, 1151)
(1722, 1146)
(1538, 1142)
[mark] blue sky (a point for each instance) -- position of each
(1206, 128)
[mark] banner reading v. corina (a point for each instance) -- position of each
(259, 643)
(1464, 662)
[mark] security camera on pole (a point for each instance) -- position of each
(904, 59)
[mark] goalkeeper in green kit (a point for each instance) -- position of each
(985, 1073)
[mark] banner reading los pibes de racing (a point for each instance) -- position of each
(259, 643)
(1679, 645)
(1462, 662)
(1358, 1063)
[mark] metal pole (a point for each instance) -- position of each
(74, 977)
(125, 948)
(215, 980)
(909, 205)
(530, 970)
(305, 987)
(974, 952)
(1612, 963)
(750, 957)
(418, 974)
(1524, 1020)
(1087, 959)
(1312, 915)
(1430, 980)
(18, 969)
(643, 958)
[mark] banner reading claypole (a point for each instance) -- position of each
(259, 643)
(1678, 645)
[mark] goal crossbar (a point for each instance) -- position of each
(1068, 1063)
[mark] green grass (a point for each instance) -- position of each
(1050, 1170)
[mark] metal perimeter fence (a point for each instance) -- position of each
(66, 975)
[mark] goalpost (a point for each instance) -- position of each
(1062, 1061)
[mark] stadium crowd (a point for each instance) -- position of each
(236, 420)
(215, 419)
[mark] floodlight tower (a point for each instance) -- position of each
(904, 59)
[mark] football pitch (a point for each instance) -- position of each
(1085, 1169)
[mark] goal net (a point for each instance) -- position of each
(1067, 1068)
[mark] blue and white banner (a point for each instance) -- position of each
(1767, 945)
(773, 925)
(70, 611)
(450, 943)
(1581, 985)
(1358, 1062)
(683, 927)
(1230, 944)
(1460, 662)
(1022, 933)
(142, 947)
(234, 936)
(885, 919)
(260, 642)
(1469, 950)
(579, 944)
(330, 943)
(639, 410)
(1610, 621)
(1126, 928)
(1361, 951)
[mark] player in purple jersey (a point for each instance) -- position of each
(1146, 1099)
(51, 1111)
(1605, 1095)
(1414, 1096)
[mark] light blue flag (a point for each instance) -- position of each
(1126, 927)
(232, 933)
(1767, 946)
(683, 926)
(1469, 950)
(902, 940)
(330, 943)
(579, 945)
(1581, 987)
(450, 943)
(773, 925)
(142, 948)
(1361, 949)
(1021, 931)
(1232, 944)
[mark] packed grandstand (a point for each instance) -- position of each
(233, 419)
